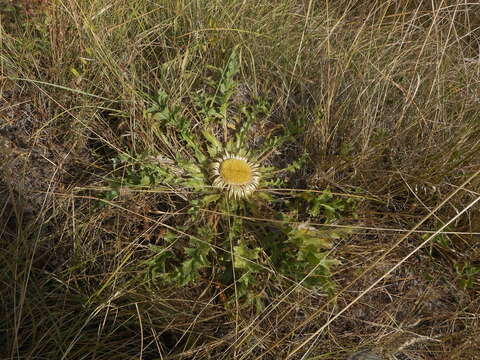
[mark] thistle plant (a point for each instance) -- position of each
(227, 184)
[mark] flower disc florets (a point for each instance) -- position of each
(235, 174)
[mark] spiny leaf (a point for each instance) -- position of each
(242, 253)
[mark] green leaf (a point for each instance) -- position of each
(241, 256)
(215, 147)
(145, 180)
(210, 198)
(157, 264)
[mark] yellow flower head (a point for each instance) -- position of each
(236, 174)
